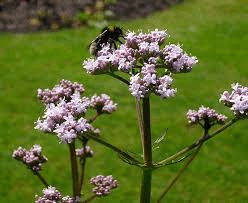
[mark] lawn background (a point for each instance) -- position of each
(214, 31)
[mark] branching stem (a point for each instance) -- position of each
(196, 144)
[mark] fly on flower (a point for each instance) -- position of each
(109, 35)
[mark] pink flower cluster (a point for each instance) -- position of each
(51, 195)
(64, 89)
(177, 60)
(148, 64)
(237, 100)
(103, 104)
(206, 114)
(84, 152)
(66, 117)
(103, 184)
(32, 158)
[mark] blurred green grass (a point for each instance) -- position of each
(214, 31)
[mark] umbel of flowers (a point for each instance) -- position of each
(149, 64)
(65, 111)
(65, 116)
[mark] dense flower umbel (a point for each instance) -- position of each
(149, 66)
(237, 100)
(32, 158)
(62, 119)
(66, 117)
(206, 114)
(51, 195)
(103, 184)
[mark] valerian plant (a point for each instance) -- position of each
(147, 68)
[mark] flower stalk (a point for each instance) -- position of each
(83, 163)
(74, 170)
(42, 179)
(147, 140)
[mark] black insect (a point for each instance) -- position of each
(108, 36)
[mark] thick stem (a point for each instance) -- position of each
(147, 140)
(145, 194)
(74, 170)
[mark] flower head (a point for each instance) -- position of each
(32, 158)
(177, 60)
(205, 114)
(103, 104)
(84, 152)
(62, 120)
(52, 195)
(66, 117)
(63, 90)
(237, 101)
(103, 184)
(149, 66)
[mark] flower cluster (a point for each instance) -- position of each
(51, 195)
(141, 85)
(66, 117)
(32, 158)
(237, 100)
(177, 60)
(148, 64)
(84, 152)
(103, 184)
(64, 89)
(103, 104)
(62, 119)
(206, 114)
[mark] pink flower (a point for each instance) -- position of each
(237, 101)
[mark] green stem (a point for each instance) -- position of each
(145, 195)
(89, 199)
(147, 140)
(179, 173)
(92, 119)
(118, 77)
(83, 163)
(74, 170)
(114, 148)
(42, 179)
